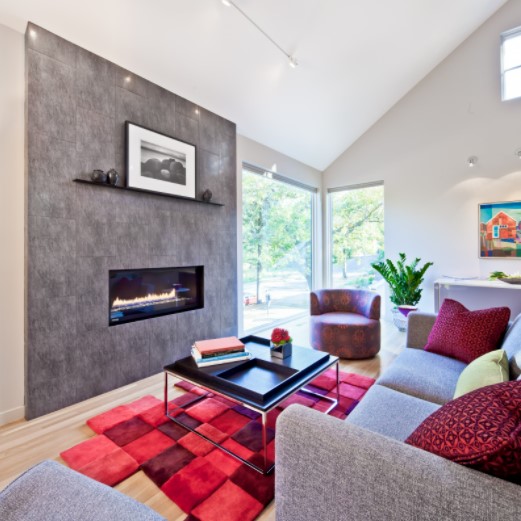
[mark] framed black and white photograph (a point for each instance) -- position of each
(159, 163)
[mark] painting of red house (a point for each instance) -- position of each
(499, 227)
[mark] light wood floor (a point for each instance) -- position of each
(25, 443)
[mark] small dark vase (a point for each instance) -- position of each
(281, 350)
(207, 196)
(112, 177)
(98, 176)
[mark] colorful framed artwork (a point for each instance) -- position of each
(500, 230)
(159, 163)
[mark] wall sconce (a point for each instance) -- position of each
(471, 161)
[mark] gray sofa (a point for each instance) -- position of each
(360, 469)
(52, 492)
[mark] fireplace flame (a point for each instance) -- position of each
(150, 299)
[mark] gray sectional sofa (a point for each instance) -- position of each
(52, 492)
(361, 469)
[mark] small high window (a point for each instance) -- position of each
(511, 64)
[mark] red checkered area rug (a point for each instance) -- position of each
(205, 482)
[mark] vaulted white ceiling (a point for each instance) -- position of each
(357, 58)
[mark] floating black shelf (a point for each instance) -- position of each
(129, 189)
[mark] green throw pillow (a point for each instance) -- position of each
(489, 369)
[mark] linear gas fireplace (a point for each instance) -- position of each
(146, 293)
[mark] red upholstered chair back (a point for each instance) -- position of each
(360, 301)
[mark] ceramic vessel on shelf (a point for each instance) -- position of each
(98, 176)
(112, 177)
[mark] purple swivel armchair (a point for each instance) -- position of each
(346, 322)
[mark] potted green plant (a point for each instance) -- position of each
(404, 281)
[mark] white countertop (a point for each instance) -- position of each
(480, 283)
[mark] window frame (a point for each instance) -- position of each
(505, 36)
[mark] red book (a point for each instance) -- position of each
(219, 345)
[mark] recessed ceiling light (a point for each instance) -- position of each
(32, 33)
(471, 161)
(227, 3)
(293, 62)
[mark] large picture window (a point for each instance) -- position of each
(511, 64)
(356, 235)
(277, 237)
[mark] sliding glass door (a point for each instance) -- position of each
(277, 234)
(357, 235)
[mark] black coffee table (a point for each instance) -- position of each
(259, 384)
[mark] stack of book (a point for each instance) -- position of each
(219, 351)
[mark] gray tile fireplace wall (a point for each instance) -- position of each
(77, 104)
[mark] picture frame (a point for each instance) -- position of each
(500, 230)
(159, 163)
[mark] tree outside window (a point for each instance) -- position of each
(357, 235)
(277, 249)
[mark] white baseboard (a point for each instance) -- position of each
(18, 413)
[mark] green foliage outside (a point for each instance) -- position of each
(357, 228)
(364, 281)
(404, 280)
(276, 229)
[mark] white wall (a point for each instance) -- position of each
(11, 225)
(250, 151)
(420, 148)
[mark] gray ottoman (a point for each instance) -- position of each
(52, 492)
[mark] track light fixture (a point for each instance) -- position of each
(292, 61)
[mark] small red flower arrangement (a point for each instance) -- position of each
(280, 336)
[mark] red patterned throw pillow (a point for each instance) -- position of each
(482, 430)
(466, 335)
